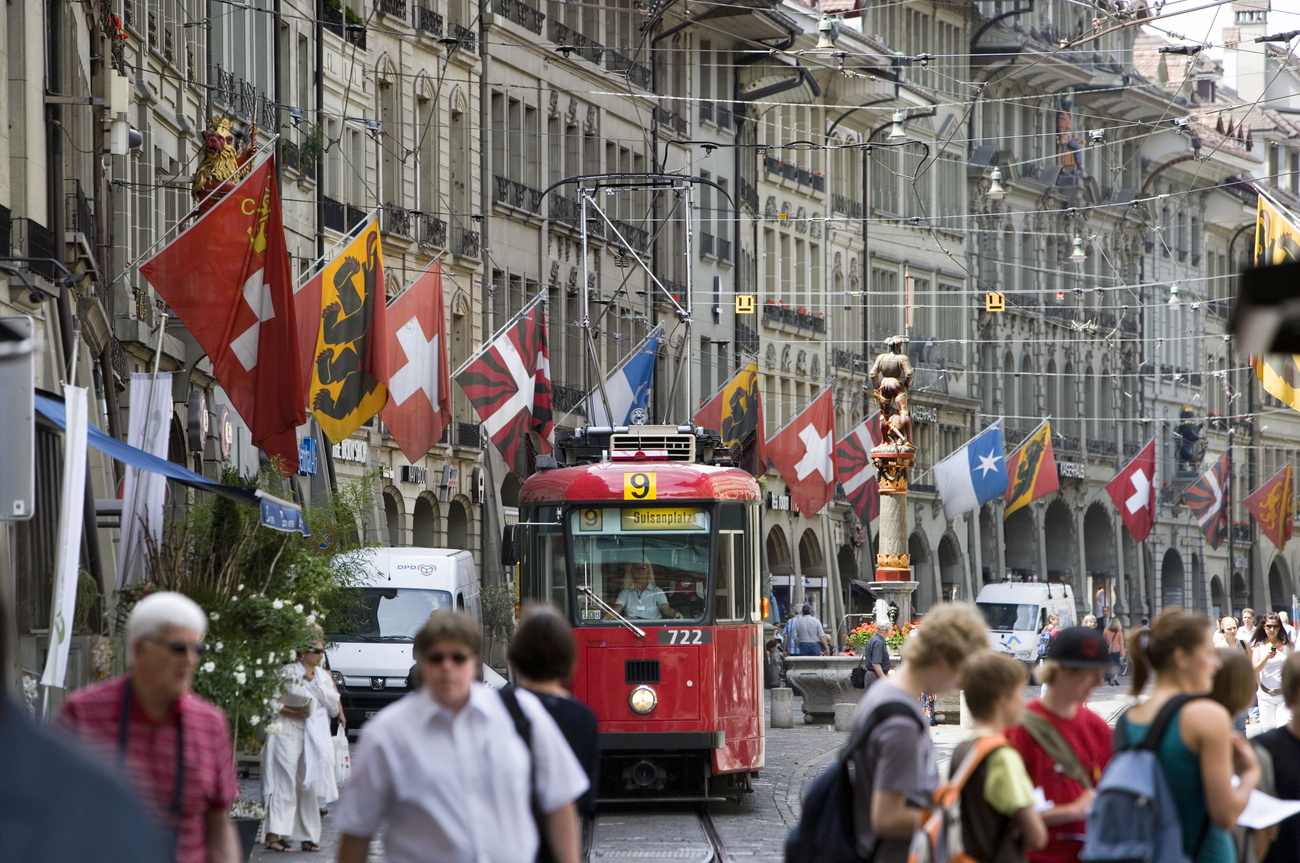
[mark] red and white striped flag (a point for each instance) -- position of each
(856, 472)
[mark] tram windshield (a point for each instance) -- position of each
(647, 563)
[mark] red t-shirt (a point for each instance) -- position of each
(92, 715)
(1091, 739)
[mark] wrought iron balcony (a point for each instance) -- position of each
(395, 8)
(567, 399)
(564, 209)
(746, 338)
(638, 237)
(771, 165)
(469, 434)
(850, 207)
(435, 232)
(1101, 446)
(464, 38)
(335, 217)
(467, 244)
(748, 195)
(847, 360)
(520, 13)
(81, 217)
(778, 315)
(623, 65)
(789, 171)
(515, 194)
(356, 216)
(428, 21)
(397, 220)
(803, 176)
(818, 183)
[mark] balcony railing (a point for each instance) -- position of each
(638, 237)
(81, 217)
(588, 49)
(397, 220)
(746, 338)
(706, 243)
(848, 360)
(623, 65)
(467, 244)
(34, 240)
(1101, 446)
(356, 216)
(469, 435)
(567, 399)
(464, 38)
(520, 13)
(771, 165)
(846, 205)
(819, 182)
(515, 194)
(748, 195)
(335, 219)
(563, 209)
(435, 232)
(428, 21)
(801, 319)
(395, 8)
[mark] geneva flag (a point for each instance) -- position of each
(227, 279)
(509, 385)
(1205, 499)
(856, 472)
(1273, 505)
(1032, 469)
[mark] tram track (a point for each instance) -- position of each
(668, 835)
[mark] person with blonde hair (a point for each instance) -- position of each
(1114, 635)
(895, 768)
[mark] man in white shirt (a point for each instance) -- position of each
(644, 600)
(444, 774)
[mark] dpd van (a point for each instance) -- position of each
(370, 653)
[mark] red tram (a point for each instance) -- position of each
(669, 655)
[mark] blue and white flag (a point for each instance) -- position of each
(628, 388)
(974, 474)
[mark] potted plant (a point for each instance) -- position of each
(247, 816)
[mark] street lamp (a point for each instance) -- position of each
(1173, 294)
(1078, 256)
(898, 132)
(996, 192)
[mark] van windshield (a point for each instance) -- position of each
(386, 613)
(1005, 616)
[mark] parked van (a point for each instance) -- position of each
(1016, 613)
(370, 648)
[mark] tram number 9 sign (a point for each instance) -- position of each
(639, 485)
(685, 636)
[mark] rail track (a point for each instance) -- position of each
(669, 835)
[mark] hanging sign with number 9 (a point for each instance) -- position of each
(639, 485)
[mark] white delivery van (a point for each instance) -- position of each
(370, 646)
(1016, 613)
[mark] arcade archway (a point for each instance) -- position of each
(424, 521)
(922, 571)
(458, 525)
(1059, 534)
(1280, 585)
(1022, 556)
(1172, 577)
(952, 570)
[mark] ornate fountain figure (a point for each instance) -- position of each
(891, 378)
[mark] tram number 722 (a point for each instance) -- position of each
(685, 636)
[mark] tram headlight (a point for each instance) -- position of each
(643, 700)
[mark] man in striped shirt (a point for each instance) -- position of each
(173, 746)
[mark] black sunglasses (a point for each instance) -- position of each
(314, 650)
(180, 648)
(438, 658)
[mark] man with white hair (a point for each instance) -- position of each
(173, 746)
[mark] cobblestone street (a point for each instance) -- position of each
(756, 828)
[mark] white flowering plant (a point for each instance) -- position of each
(263, 592)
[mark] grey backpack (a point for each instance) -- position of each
(1134, 816)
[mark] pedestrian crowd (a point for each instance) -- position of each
(1049, 781)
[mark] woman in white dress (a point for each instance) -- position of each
(1270, 647)
(298, 762)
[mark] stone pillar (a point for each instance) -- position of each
(782, 707)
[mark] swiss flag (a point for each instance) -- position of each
(227, 279)
(419, 387)
(1134, 493)
(804, 454)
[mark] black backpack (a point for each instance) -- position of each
(825, 831)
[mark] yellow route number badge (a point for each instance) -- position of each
(639, 485)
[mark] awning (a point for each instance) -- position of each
(276, 513)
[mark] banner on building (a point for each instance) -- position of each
(973, 475)
(627, 388)
(349, 374)
(1133, 491)
(1273, 505)
(68, 551)
(1277, 241)
(1031, 470)
(143, 491)
(803, 453)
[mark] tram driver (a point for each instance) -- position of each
(643, 599)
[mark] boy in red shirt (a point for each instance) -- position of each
(1065, 746)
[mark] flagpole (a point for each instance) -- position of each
(655, 331)
(313, 269)
(251, 171)
(590, 343)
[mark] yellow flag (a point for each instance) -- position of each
(1031, 470)
(350, 368)
(1277, 241)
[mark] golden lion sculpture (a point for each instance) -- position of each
(222, 167)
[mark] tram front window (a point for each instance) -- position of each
(646, 563)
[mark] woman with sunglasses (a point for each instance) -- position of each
(1270, 646)
(298, 762)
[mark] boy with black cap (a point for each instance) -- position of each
(1065, 746)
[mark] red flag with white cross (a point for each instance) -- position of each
(1134, 492)
(419, 385)
(804, 454)
(227, 279)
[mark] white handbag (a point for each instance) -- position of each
(342, 757)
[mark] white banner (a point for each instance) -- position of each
(143, 492)
(68, 555)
